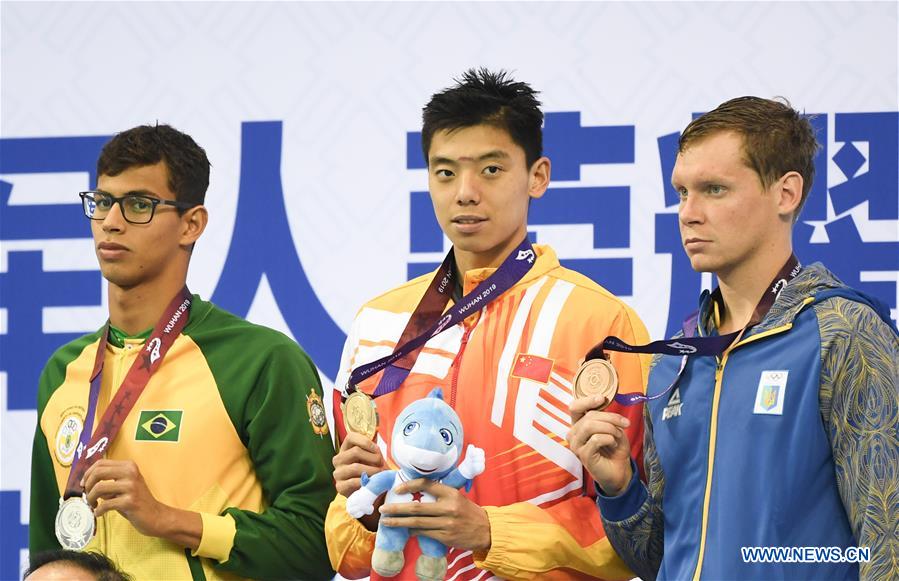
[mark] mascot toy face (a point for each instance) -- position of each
(426, 443)
(427, 438)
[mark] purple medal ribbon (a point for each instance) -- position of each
(91, 447)
(689, 345)
(512, 270)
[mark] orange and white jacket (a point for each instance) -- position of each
(507, 371)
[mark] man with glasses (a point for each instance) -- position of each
(179, 440)
(136, 208)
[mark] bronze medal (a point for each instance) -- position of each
(596, 377)
(360, 415)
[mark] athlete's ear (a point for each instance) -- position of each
(538, 178)
(788, 190)
(193, 223)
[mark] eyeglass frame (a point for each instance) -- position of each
(120, 201)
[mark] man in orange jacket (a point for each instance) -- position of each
(506, 365)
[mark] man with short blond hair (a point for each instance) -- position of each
(787, 436)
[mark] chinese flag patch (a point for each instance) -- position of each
(532, 367)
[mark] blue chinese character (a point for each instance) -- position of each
(25, 288)
(262, 245)
(33, 155)
(879, 186)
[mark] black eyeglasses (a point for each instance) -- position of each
(136, 208)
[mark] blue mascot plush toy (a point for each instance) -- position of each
(426, 443)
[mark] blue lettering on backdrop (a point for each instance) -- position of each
(879, 186)
(262, 245)
(845, 253)
(569, 145)
(26, 287)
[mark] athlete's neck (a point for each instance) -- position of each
(466, 261)
(742, 288)
(492, 258)
(139, 308)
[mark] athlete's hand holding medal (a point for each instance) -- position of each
(358, 452)
(117, 482)
(596, 377)
(597, 437)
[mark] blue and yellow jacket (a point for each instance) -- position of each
(789, 439)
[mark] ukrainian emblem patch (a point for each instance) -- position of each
(159, 426)
(771, 392)
(317, 416)
(769, 396)
(67, 437)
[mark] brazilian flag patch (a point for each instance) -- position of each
(159, 426)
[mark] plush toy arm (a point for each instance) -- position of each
(381, 482)
(471, 466)
(362, 501)
(474, 462)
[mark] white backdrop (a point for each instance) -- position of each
(343, 84)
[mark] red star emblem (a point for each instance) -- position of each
(417, 496)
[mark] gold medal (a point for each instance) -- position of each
(360, 415)
(596, 377)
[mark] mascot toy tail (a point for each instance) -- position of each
(426, 443)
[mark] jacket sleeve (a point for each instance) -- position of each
(633, 520)
(528, 541)
(350, 544)
(44, 489)
(859, 401)
(293, 464)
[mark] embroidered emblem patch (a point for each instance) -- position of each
(317, 416)
(67, 437)
(159, 426)
(769, 397)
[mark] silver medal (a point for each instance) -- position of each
(75, 523)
